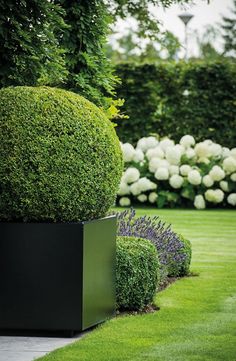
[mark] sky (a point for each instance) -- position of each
(204, 14)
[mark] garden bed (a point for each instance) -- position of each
(197, 314)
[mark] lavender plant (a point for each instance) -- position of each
(170, 247)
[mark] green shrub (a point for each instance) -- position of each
(137, 273)
(155, 101)
(60, 156)
(178, 266)
(173, 255)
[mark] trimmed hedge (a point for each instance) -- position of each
(172, 252)
(137, 273)
(178, 266)
(155, 101)
(60, 156)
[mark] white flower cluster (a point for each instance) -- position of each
(130, 154)
(214, 195)
(203, 173)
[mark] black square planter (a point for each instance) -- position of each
(57, 276)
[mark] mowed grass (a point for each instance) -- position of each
(197, 317)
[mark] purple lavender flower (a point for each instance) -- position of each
(168, 243)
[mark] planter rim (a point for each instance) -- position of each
(62, 223)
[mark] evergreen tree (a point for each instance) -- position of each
(229, 33)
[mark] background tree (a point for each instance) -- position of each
(206, 43)
(125, 48)
(35, 35)
(229, 33)
(90, 72)
(165, 47)
(148, 25)
(132, 48)
(29, 48)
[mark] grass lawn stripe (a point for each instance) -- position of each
(197, 320)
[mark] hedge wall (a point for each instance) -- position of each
(173, 99)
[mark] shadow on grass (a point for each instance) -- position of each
(152, 307)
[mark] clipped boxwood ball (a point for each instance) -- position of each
(137, 273)
(60, 158)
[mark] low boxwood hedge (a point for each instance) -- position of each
(137, 273)
(174, 251)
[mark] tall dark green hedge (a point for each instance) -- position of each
(155, 101)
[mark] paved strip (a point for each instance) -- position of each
(24, 348)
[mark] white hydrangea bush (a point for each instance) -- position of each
(163, 173)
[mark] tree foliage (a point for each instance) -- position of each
(206, 43)
(131, 48)
(141, 11)
(29, 48)
(61, 42)
(229, 33)
(90, 72)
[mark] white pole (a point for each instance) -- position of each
(185, 18)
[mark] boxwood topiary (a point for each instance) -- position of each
(173, 250)
(178, 266)
(137, 273)
(60, 159)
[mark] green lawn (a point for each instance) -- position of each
(197, 319)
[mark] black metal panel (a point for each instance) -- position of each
(99, 271)
(41, 274)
